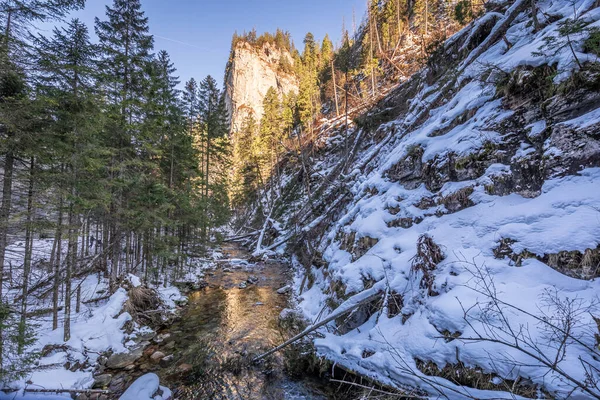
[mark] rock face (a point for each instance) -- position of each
(250, 74)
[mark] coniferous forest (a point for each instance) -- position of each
(103, 150)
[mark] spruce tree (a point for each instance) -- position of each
(213, 119)
(125, 55)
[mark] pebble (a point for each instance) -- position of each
(157, 356)
(243, 285)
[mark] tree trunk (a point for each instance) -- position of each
(27, 260)
(337, 110)
(5, 212)
(534, 11)
(71, 260)
(56, 265)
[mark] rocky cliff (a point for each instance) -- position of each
(252, 70)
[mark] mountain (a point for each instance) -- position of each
(252, 70)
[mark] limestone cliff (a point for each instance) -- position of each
(251, 72)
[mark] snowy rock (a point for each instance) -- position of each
(165, 361)
(147, 387)
(284, 290)
(162, 337)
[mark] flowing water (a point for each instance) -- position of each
(223, 326)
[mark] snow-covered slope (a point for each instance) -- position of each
(475, 210)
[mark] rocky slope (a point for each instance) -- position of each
(468, 198)
(251, 72)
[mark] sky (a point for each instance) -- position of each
(197, 33)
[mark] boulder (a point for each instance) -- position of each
(102, 381)
(122, 360)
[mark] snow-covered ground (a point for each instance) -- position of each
(481, 310)
(96, 329)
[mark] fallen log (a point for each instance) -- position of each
(236, 238)
(346, 307)
(72, 391)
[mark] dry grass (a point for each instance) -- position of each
(145, 306)
(429, 255)
(395, 304)
(475, 377)
(458, 200)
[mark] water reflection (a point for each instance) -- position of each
(221, 329)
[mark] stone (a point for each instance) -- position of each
(146, 336)
(252, 280)
(150, 350)
(165, 361)
(284, 290)
(162, 337)
(183, 368)
(122, 360)
(157, 356)
(243, 285)
(102, 381)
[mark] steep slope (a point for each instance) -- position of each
(251, 72)
(469, 199)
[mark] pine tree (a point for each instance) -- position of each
(67, 68)
(125, 48)
(213, 119)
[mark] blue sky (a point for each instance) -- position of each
(197, 33)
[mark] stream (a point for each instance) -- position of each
(223, 325)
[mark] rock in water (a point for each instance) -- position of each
(157, 356)
(147, 387)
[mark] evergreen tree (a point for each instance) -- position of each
(213, 119)
(125, 48)
(67, 67)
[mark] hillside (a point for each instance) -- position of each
(468, 199)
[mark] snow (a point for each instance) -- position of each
(146, 388)
(96, 329)
(565, 216)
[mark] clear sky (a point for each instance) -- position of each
(197, 33)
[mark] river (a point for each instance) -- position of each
(222, 327)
